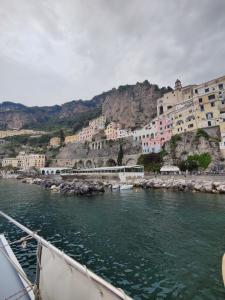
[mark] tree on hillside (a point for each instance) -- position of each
(120, 156)
(62, 136)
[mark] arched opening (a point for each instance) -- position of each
(80, 164)
(88, 164)
(179, 122)
(42, 172)
(190, 118)
(111, 163)
(130, 162)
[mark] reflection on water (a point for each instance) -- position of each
(153, 244)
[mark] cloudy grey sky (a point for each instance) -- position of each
(53, 51)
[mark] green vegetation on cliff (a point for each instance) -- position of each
(152, 162)
(196, 161)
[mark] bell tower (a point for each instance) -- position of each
(178, 85)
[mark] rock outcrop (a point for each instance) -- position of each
(190, 143)
(75, 187)
(133, 106)
(184, 185)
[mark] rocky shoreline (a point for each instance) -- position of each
(193, 185)
(87, 187)
(75, 187)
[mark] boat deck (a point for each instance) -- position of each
(11, 282)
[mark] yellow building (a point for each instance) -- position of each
(170, 99)
(54, 142)
(183, 117)
(25, 161)
(111, 131)
(71, 139)
(209, 102)
(195, 106)
(7, 133)
(12, 162)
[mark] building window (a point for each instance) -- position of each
(212, 104)
(209, 115)
(220, 86)
(202, 107)
(200, 100)
(196, 91)
(161, 110)
(211, 97)
(190, 125)
(209, 123)
(207, 90)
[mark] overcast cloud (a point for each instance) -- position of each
(53, 51)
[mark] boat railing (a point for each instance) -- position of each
(58, 276)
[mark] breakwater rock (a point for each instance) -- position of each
(75, 187)
(195, 185)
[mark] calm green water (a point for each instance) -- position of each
(153, 244)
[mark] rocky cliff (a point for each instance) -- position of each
(196, 142)
(131, 105)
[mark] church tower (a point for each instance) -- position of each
(178, 85)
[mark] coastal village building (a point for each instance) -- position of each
(209, 103)
(98, 123)
(87, 133)
(195, 106)
(54, 142)
(111, 130)
(182, 117)
(123, 133)
(12, 162)
(154, 135)
(7, 133)
(172, 98)
(25, 161)
(71, 139)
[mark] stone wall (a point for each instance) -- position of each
(97, 154)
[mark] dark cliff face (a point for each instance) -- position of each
(131, 105)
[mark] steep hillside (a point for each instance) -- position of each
(131, 105)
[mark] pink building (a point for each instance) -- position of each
(160, 131)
